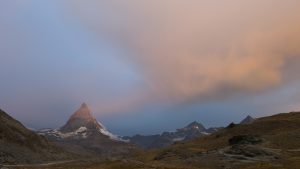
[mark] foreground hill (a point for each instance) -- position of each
(20, 145)
(270, 142)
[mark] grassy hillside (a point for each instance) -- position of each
(279, 143)
(20, 145)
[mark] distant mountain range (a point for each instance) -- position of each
(85, 136)
(266, 142)
(191, 131)
(83, 130)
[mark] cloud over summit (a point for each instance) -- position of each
(193, 48)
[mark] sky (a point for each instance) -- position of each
(148, 66)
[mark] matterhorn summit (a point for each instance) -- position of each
(83, 113)
(81, 118)
(81, 125)
(83, 134)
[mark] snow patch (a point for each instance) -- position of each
(205, 133)
(44, 130)
(104, 131)
(178, 139)
(81, 131)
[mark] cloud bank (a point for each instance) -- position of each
(192, 49)
(144, 62)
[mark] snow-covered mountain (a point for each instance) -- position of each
(81, 125)
(83, 131)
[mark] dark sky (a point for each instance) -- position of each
(148, 66)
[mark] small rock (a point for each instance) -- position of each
(244, 139)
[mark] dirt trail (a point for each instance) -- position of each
(39, 165)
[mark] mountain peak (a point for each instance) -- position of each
(192, 126)
(194, 123)
(82, 125)
(81, 118)
(247, 120)
(83, 105)
(83, 112)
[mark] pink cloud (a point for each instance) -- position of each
(191, 49)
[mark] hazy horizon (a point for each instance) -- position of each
(148, 67)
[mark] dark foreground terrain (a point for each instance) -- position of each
(21, 145)
(266, 143)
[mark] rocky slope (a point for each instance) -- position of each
(20, 145)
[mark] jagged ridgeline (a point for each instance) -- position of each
(189, 132)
